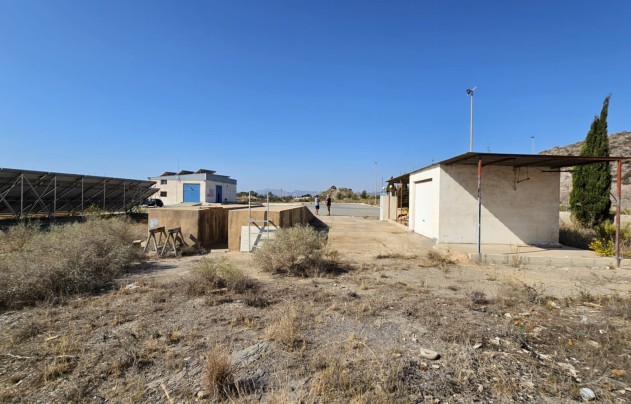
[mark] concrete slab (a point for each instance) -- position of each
(516, 255)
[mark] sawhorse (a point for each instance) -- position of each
(175, 237)
(152, 236)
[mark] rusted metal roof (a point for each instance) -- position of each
(553, 162)
(527, 160)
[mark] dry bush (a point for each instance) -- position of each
(285, 330)
(297, 251)
(438, 259)
(218, 373)
(211, 274)
(65, 259)
(575, 235)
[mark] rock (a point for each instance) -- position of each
(250, 354)
(429, 354)
(587, 394)
(201, 394)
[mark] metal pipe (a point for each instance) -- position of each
(479, 207)
(619, 196)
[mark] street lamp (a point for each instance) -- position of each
(470, 93)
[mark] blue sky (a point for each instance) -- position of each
(301, 94)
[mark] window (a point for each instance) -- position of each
(163, 194)
(163, 182)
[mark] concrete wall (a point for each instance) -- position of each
(208, 225)
(388, 207)
(519, 206)
(281, 216)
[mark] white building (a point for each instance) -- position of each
(201, 186)
(490, 198)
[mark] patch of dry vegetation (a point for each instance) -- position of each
(298, 251)
(40, 265)
(352, 338)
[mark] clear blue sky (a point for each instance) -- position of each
(301, 94)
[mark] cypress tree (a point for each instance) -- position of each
(591, 184)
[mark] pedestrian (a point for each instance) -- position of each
(317, 205)
(328, 204)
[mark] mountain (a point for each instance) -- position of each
(619, 146)
(284, 192)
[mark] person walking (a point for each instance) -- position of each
(328, 204)
(317, 205)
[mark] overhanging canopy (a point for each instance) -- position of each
(527, 160)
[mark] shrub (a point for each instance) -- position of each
(575, 235)
(604, 243)
(38, 265)
(211, 274)
(295, 251)
(218, 373)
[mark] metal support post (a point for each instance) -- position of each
(479, 207)
(619, 201)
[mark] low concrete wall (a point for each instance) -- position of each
(208, 225)
(281, 216)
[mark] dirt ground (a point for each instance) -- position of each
(503, 333)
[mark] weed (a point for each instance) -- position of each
(440, 260)
(297, 251)
(212, 274)
(218, 373)
(285, 330)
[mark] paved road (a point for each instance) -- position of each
(347, 209)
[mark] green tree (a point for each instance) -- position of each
(591, 184)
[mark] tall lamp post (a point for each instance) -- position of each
(470, 93)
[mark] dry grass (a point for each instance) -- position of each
(298, 251)
(212, 275)
(39, 265)
(438, 259)
(218, 373)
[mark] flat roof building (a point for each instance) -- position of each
(201, 186)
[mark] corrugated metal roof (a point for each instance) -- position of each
(527, 160)
(552, 162)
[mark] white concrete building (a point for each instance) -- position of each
(201, 186)
(517, 202)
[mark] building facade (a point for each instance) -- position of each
(201, 186)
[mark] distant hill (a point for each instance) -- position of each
(283, 192)
(619, 146)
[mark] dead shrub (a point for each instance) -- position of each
(212, 274)
(438, 259)
(575, 235)
(218, 373)
(285, 330)
(63, 260)
(297, 251)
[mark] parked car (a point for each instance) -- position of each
(152, 203)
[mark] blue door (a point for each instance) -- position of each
(218, 193)
(191, 192)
